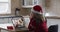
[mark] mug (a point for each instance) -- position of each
(10, 27)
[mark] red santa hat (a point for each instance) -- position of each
(37, 9)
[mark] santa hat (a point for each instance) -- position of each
(37, 9)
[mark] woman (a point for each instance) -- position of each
(37, 21)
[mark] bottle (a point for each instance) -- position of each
(17, 12)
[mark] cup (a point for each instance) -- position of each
(10, 27)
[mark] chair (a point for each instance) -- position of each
(53, 28)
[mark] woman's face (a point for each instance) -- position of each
(31, 15)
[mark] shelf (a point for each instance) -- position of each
(30, 6)
(48, 17)
(9, 16)
(53, 17)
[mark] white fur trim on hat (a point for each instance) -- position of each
(36, 12)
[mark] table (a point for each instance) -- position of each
(3, 27)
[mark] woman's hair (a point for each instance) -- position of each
(38, 18)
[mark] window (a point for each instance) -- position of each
(30, 2)
(27, 2)
(5, 7)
